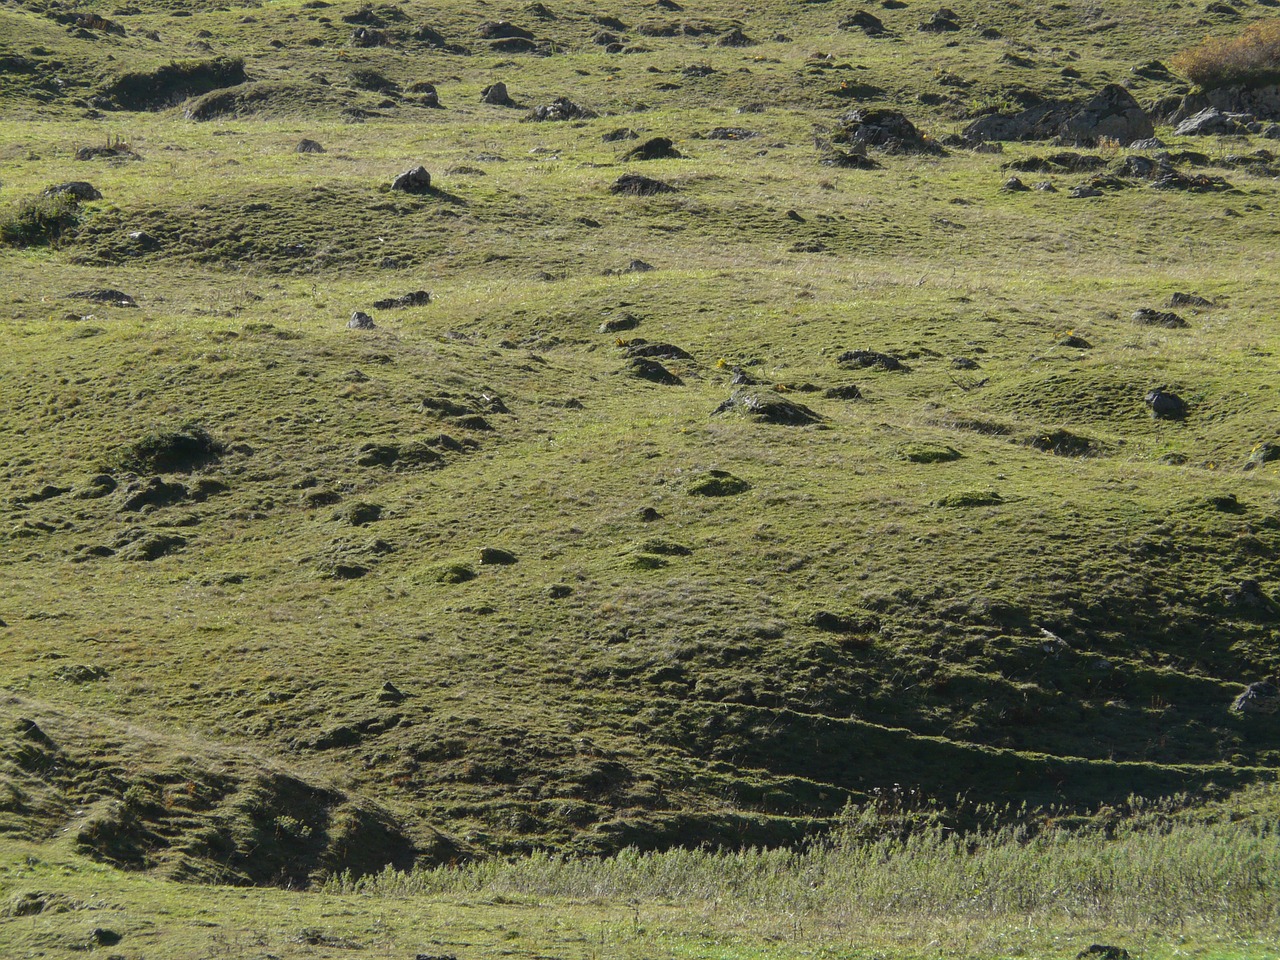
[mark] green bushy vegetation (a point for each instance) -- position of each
(38, 221)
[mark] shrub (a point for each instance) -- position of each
(1251, 59)
(36, 221)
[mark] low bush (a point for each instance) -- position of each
(37, 221)
(1251, 59)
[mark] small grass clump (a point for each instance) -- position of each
(1250, 59)
(40, 221)
(173, 451)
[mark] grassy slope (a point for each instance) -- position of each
(663, 697)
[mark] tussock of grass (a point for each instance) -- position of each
(37, 221)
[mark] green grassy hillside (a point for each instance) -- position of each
(615, 539)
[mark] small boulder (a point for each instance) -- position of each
(503, 30)
(734, 38)
(1157, 318)
(633, 184)
(1258, 698)
(495, 556)
(78, 189)
(766, 406)
(415, 181)
(1014, 185)
(656, 148)
(944, 21)
(308, 146)
(496, 94)
(868, 23)
(361, 321)
(561, 108)
(869, 358)
(1165, 405)
(1211, 121)
(654, 372)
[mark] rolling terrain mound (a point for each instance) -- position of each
(577, 498)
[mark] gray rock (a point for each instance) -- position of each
(1212, 121)
(1110, 114)
(1165, 405)
(416, 181)
(76, 188)
(1084, 191)
(496, 94)
(1014, 185)
(1158, 318)
(361, 321)
(308, 146)
(1263, 698)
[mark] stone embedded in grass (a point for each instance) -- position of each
(361, 321)
(846, 392)
(1165, 405)
(1156, 318)
(868, 359)
(734, 38)
(654, 372)
(416, 181)
(655, 148)
(358, 513)
(1213, 122)
(80, 673)
(78, 189)
(496, 95)
(851, 160)
(1075, 342)
(717, 483)
(152, 493)
(1014, 185)
(502, 30)
(971, 498)
(622, 133)
(153, 547)
(173, 451)
(561, 108)
(886, 130)
(308, 146)
(1063, 443)
(1103, 951)
(640, 347)
(1263, 453)
(945, 20)
(1189, 300)
(496, 556)
(627, 321)
(418, 298)
(929, 453)
(635, 185)
(110, 298)
(453, 573)
(868, 23)
(766, 406)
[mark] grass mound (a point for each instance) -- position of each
(180, 450)
(38, 221)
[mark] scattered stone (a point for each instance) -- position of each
(620, 324)
(1262, 453)
(110, 298)
(513, 45)
(154, 492)
(729, 133)
(1198, 183)
(1102, 951)
(1213, 122)
(358, 513)
(868, 23)
(766, 406)
(80, 673)
(361, 321)
(1165, 405)
(640, 347)
(1075, 342)
(367, 37)
(1111, 114)
(622, 133)
(1084, 191)
(717, 483)
(852, 160)
(656, 148)
(1155, 318)
(494, 556)
(496, 94)
(846, 392)
(1014, 185)
(76, 188)
(633, 184)
(100, 936)
(143, 240)
(502, 30)
(1258, 698)
(944, 21)
(887, 130)
(418, 298)
(111, 151)
(390, 693)
(558, 591)
(1062, 443)
(734, 38)
(430, 96)
(308, 146)
(153, 547)
(415, 181)
(870, 358)
(635, 266)
(562, 108)
(654, 372)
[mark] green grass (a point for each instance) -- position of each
(243, 584)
